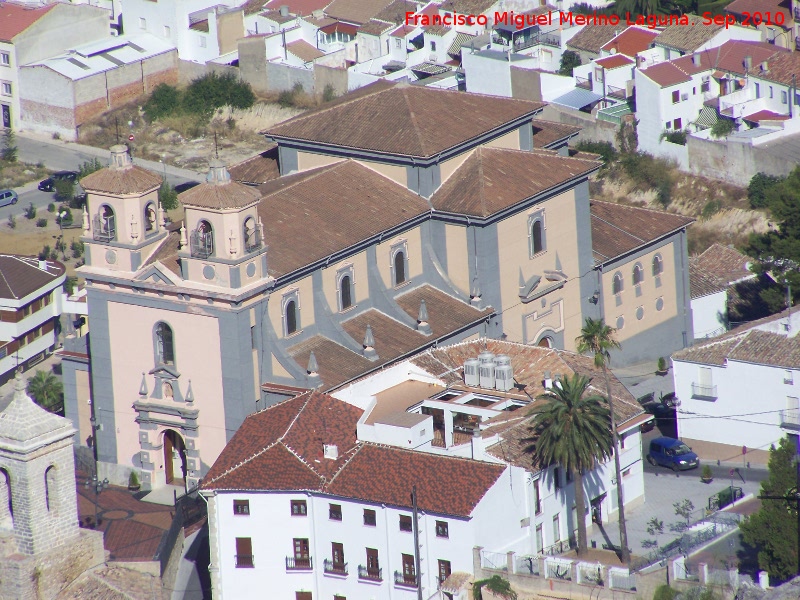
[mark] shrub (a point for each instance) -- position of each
(69, 284)
(569, 60)
(711, 208)
(328, 93)
(66, 220)
(65, 190)
(89, 167)
(44, 254)
(41, 222)
(605, 149)
(648, 172)
(51, 208)
(664, 592)
(165, 100)
(10, 150)
(496, 584)
(676, 136)
(286, 99)
(12, 221)
(30, 212)
(77, 248)
(662, 364)
(212, 91)
(133, 480)
(722, 128)
(167, 196)
(56, 136)
(706, 472)
(759, 185)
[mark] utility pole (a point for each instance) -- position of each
(416, 540)
(793, 497)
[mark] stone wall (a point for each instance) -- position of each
(591, 128)
(734, 162)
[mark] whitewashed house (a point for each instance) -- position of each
(709, 302)
(741, 388)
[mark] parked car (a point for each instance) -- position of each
(8, 197)
(672, 453)
(48, 185)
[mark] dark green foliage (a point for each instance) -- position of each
(30, 212)
(41, 222)
(773, 529)
(165, 100)
(605, 149)
(12, 221)
(648, 172)
(328, 93)
(664, 592)
(496, 584)
(722, 128)
(286, 99)
(9, 151)
(212, 91)
(569, 60)
(44, 254)
(64, 189)
(760, 184)
(711, 208)
(77, 248)
(662, 363)
(46, 390)
(51, 208)
(89, 167)
(167, 196)
(675, 136)
(69, 284)
(67, 219)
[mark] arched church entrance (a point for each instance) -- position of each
(174, 458)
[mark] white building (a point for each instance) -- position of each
(746, 383)
(709, 302)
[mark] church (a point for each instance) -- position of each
(396, 218)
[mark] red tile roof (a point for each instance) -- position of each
(258, 169)
(16, 18)
(780, 68)
(281, 448)
(766, 115)
(739, 7)
(546, 133)
(304, 51)
(631, 41)
(666, 74)
(21, 276)
(298, 7)
(617, 60)
(593, 37)
(701, 283)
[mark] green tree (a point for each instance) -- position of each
(212, 91)
(569, 60)
(497, 585)
(9, 151)
(65, 190)
(773, 529)
(46, 390)
(167, 196)
(598, 339)
(571, 429)
(722, 128)
(88, 167)
(164, 101)
(760, 184)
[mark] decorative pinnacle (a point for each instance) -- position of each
(19, 385)
(423, 313)
(313, 367)
(369, 339)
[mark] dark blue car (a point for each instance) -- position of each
(672, 453)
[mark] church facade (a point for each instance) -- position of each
(401, 217)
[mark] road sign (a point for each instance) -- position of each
(130, 138)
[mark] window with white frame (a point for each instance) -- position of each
(536, 233)
(638, 274)
(345, 288)
(5, 88)
(616, 284)
(291, 313)
(399, 263)
(5, 59)
(142, 23)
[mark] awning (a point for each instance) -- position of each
(428, 68)
(707, 118)
(461, 40)
(614, 114)
(577, 98)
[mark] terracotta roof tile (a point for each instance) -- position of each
(592, 37)
(724, 263)
(766, 115)
(739, 7)
(701, 283)
(167, 253)
(396, 11)
(666, 74)
(21, 275)
(258, 169)
(220, 195)
(688, 38)
(446, 314)
(780, 68)
(336, 364)
(304, 51)
(330, 208)
(132, 180)
(404, 120)
(296, 7)
(619, 229)
(615, 61)
(16, 18)
(281, 448)
(375, 27)
(631, 41)
(355, 11)
(492, 179)
(546, 133)
(392, 338)
(469, 7)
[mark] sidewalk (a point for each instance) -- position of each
(728, 456)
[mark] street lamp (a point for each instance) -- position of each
(61, 216)
(98, 486)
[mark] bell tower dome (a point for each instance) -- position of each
(122, 222)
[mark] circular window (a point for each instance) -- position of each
(620, 322)
(208, 272)
(659, 304)
(639, 313)
(111, 257)
(251, 269)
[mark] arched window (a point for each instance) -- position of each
(616, 287)
(536, 237)
(658, 265)
(399, 267)
(50, 487)
(251, 235)
(202, 242)
(638, 274)
(165, 345)
(345, 292)
(150, 219)
(105, 225)
(290, 316)
(6, 505)
(545, 342)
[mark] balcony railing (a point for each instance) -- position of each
(790, 418)
(104, 229)
(337, 568)
(708, 392)
(550, 40)
(615, 92)
(297, 563)
(252, 241)
(559, 547)
(583, 82)
(370, 573)
(244, 561)
(405, 580)
(201, 243)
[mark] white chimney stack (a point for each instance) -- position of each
(330, 451)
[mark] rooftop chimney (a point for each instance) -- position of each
(696, 59)
(330, 451)
(120, 159)
(43, 265)
(284, 10)
(765, 66)
(548, 381)
(748, 63)
(312, 368)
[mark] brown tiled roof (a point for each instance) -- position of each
(199, 26)
(375, 27)
(132, 180)
(16, 18)
(631, 41)
(750, 343)
(396, 11)
(304, 51)
(614, 61)
(666, 74)
(739, 7)
(258, 169)
(355, 11)
(437, 30)
(701, 283)
(220, 196)
(780, 68)
(618, 229)
(592, 37)
(688, 38)
(281, 448)
(492, 179)
(546, 133)
(337, 364)
(469, 7)
(404, 120)
(296, 7)
(21, 275)
(167, 253)
(724, 263)
(329, 208)
(766, 115)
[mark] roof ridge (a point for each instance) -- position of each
(357, 448)
(243, 462)
(294, 453)
(413, 119)
(297, 416)
(481, 185)
(309, 175)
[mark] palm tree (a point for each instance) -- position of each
(571, 430)
(598, 339)
(47, 390)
